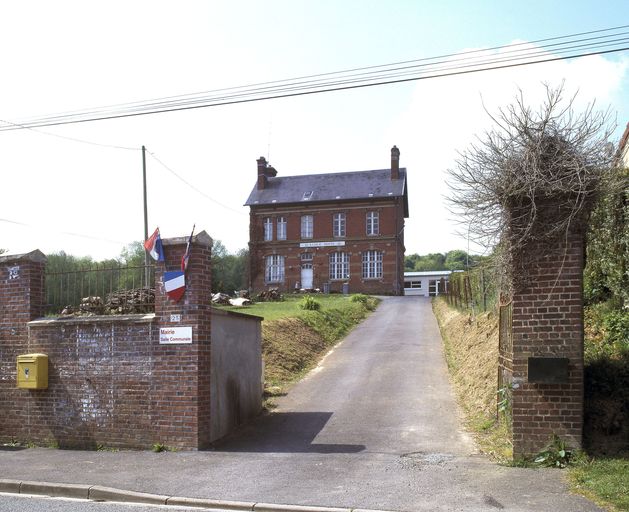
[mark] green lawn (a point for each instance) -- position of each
(604, 480)
(289, 307)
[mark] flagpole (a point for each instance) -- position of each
(146, 221)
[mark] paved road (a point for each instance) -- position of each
(374, 426)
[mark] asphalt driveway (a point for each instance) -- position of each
(374, 426)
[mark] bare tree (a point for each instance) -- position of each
(534, 175)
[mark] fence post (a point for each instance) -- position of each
(483, 290)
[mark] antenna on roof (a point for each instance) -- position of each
(268, 146)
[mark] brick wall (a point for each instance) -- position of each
(548, 323)
(110, 380)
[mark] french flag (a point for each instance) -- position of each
(174, 284)
(154, 246)
(186, 255)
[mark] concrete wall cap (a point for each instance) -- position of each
(238, 314)
(137, 319)
(37, 256)
(201, 238)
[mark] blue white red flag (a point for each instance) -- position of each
(154, 246)
(174, 284)
(186, 255)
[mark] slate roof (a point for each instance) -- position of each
(339, 186)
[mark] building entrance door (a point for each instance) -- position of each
(306, 276)
(433, 287)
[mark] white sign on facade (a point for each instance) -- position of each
(175, 318)
(175, 335)
(338, 243)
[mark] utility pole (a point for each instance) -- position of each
(146, 221)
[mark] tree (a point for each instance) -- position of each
(607, 261)
(229, 271)
(533, 178)
(133, 254)
(457, 260)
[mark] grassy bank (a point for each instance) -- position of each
(294, 339)
(471, 347)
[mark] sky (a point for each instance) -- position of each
(78, 188)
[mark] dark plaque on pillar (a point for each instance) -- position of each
(548, 370)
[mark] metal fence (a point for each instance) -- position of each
(474, 290)
(101, 290)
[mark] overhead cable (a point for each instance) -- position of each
(598, 42)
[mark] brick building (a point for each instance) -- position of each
(339, 231)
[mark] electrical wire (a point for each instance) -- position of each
(200, 192)
(609, 40)
(73, 139)
(78, 235)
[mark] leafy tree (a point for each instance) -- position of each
(607, 262)
(457, 260)
(133, 254)
(410, 261)
(229, 271)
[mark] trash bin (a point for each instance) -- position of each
(345, 288)
(326, 287)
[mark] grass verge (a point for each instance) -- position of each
(471, 349)
(603, 480)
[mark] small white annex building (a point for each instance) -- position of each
(427, 284)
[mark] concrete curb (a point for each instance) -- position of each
(100, 493)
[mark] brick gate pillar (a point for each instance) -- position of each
(181, 375)
(547, 344)
(22, 299)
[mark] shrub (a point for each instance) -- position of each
(310, 304)
(616, 325)
(368, 302)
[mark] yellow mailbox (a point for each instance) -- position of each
(32, 371)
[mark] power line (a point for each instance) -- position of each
(609, 40)
(73, 139)
(68, 233)
(191, 185)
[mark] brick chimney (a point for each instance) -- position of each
(395, 163)
(261, 173)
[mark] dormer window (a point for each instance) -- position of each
(307, 195)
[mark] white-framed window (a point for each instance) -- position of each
(281, 228)
(338, 224)
(373, 223)
(268, 229)
(339, 265)
(307, 226)
(274, 269)
(414, 284)
(306, 257)
(372, 265)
